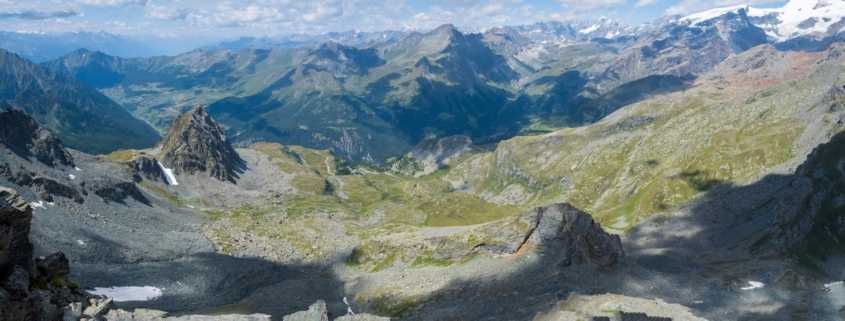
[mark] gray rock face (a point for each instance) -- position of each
(56, 264)
(118, 191)
(564, 227)
(15, 218)
(316, 312)
(46, 187)
(146, 168)
(15, 258)
(21, 134)
(195, 143)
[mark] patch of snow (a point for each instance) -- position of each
(814, 17)
(77, 168)
(590, 29)
(168, 174)
(190, 206)
(832, 284)
(39, 204)
(754, 285)
(72, 176)
(696, 18)
(51, 203)
(129, 293)
(80, 242)
(348, 308)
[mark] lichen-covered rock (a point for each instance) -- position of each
(195, 143)
(20, 133)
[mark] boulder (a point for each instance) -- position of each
(56, 264)
(316, 312)
(565, 228)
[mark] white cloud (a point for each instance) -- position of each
(113, 3)
(229, 16)
(37, 15)
(165, 13)
(643, 3)
(584, 6)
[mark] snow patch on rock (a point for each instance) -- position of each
(754, 285)
(168, 174)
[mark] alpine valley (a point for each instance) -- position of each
(690, 168)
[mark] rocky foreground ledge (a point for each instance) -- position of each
(39, 290)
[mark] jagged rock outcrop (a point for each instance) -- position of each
(30, 293)
(433, 154)
(16, 263)
(20, 133)
(195, 143)
(146, 168)
(810, 213)
(118, 191)
(15, 218)
(45, 187)
(566, 228)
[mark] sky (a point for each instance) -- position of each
(285, 17)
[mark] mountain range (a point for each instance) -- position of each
(686, 169)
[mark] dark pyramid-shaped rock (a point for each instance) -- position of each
(195, 143)
(21, 134)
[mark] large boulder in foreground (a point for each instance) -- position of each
(15, 218)
(564, 227)
(195, 143)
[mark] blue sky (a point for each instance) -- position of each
(282, 17)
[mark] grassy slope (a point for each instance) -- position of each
(699, 140)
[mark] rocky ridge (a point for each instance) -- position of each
(20, 133)
(433, 154)
(195, 143)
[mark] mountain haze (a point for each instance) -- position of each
(84, 118)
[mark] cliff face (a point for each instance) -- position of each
(15, 217)
(195, 143)
(20, 133)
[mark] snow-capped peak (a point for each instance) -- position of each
(696, 18)
(796, 18)
(802, 17)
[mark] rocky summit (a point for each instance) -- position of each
(195, 143)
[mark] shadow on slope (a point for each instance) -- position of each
(702, 257)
